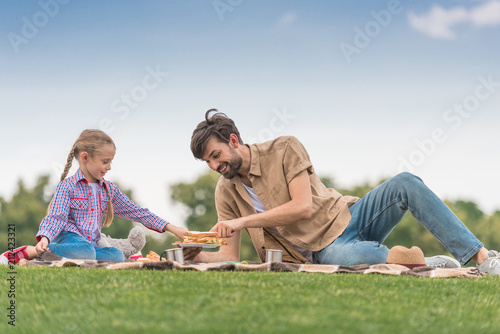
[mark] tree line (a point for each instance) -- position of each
(27, 207)
(198, 197)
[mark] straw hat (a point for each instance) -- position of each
(411, 258)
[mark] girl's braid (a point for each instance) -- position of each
(69, 162)
(109, 213)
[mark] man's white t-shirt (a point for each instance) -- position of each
(260, 208)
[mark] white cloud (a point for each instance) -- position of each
(439, 22)
(486, 14)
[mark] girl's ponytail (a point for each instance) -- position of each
(69, 162)
(110, 213)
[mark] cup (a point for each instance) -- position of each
(174, 254)
(274, 255)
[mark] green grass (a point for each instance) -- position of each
(76, 300)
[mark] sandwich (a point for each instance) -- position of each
(194, 237)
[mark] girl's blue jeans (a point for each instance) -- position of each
(73, 246)
(375, 215)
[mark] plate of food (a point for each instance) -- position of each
(201, 239)
(186, 245)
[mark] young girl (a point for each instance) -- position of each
(73, 223)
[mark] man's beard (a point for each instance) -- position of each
(233, 167)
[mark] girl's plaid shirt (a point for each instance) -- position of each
(72, 209)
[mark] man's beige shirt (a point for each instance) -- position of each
(273, 165)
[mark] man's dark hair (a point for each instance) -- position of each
(218, 126)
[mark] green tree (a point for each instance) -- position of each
(24, 211)
(158, 243)
(199, 199)
(487, 230)
(358, 190)
(120, 227)
(409, 232)
(483, 226)
(28, 206)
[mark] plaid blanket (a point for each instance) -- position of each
(49, 259)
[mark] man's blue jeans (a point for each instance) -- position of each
(375, 215)
(74, 246)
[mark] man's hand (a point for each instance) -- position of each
(226, 229)
(231, 252)
(42, 246)
(190, 253)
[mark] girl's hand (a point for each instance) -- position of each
(42, 246)
(176, 230)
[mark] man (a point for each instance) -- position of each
(272, 191)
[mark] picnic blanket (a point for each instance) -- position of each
(49, 259)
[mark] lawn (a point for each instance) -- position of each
(77, 300)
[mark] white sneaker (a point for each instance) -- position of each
(491, 265)
(492, 253)
(13, 256)
(441, 261)
(3, 259)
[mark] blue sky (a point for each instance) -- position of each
(370, 87)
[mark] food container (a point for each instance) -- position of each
(274, 255)
(175, 254)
